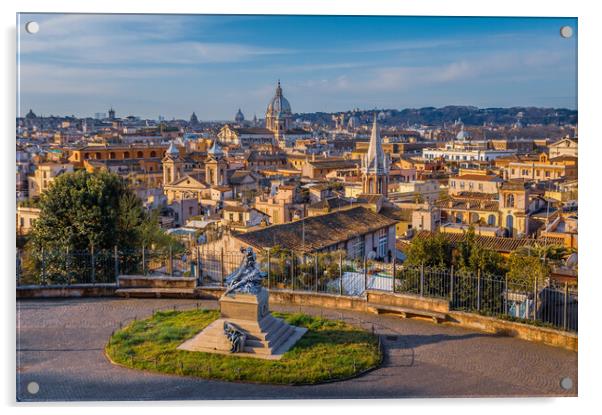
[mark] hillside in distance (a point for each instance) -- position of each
(470, 116)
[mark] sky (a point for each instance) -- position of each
(172, 65)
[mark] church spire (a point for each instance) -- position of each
(376, 162)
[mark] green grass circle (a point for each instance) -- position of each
(330, 350)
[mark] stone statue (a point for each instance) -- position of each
(247, 278)
(236, 337)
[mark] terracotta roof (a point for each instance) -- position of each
(479, 177)
(333, 164)
(478, 195)
(331, 203)
(252, 130)
(396, 213)
(319, 231)
(499, 244)
(463, 204)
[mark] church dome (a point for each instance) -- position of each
(279, 104)
(239, 117)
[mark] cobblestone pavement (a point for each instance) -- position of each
(60, 346)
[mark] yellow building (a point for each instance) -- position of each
(44, 175)
(115, 152)
(471, 180)
(26, 218)
(544, 168)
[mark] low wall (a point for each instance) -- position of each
(318, 300)
(66, 291)
(523, 331)
(141, 281)
(408, 300)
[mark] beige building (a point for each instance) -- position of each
(26, 218)
(480, 181)
(44, 175)
(544, 168)
(418, 190)
(565, 147)
(318, 169)
(280, 207)
(243, 218)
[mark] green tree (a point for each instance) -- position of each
(525, 269)
(82, 209)
(434, 251)
(84, 213)
(471, 257)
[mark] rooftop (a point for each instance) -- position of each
(318, 232)
(499, 244)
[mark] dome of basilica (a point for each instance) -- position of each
(279, 104)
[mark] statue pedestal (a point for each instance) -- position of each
(243, 306)
(267, 337)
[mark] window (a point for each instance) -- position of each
(359, 247)
(382, 242)
(481, 186)
(153, 154)
(547, 173)
(98, 156)
(140, 155)
(510, 200)
(491, 220)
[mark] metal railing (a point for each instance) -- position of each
(536, 302)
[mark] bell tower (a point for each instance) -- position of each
(215, 166)
(173, 165)
(375, 166)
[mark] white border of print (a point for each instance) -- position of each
(591, 151)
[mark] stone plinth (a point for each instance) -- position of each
(239, 306)
(267, 337)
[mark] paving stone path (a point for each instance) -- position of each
(60, 347)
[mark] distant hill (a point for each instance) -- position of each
(470, 116)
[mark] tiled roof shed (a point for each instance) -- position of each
(320, 231)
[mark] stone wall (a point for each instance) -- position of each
(66, 291)
(407, 300)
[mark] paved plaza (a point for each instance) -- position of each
(60, 347)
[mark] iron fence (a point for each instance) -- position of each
(535, 302)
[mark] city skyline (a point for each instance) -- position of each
(172, 65)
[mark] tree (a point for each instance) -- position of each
(434, 251)
(83, 217)
(471, 257)
(82, 209)
(524, 270)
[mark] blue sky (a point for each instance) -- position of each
(171, 65)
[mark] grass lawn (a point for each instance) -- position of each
(329, 350)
